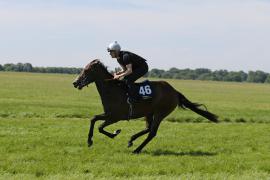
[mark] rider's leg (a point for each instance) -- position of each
(132, 95)
(129, 81)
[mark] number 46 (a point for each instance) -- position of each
(145, 90)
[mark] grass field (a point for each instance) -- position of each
(44, 123)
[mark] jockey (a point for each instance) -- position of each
(133, 67)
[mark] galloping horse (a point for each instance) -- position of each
(116, 108)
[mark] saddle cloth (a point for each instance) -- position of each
(143, 90)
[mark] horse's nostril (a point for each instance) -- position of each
(75, 84)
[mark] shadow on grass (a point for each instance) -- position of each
(160, 152)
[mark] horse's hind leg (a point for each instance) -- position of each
(157, 118)
(107, 123)
(149, 119)
(153, 131)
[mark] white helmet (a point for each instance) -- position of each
(114, 46)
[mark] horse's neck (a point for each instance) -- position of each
(101, 84)
(108, 93)
(105, 89)
(101, 87)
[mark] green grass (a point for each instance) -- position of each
(44, 123)
(57, 147)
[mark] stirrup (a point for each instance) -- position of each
(132, 100)
(128, 101)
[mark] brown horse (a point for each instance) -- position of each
(116, 108)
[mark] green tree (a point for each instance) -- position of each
(234, 76)
(220, 75)
(202, 74)
(206, 76)
(156, 73)
(167, 75)
(9, 67)
(19, 67)
(257, 76)
(267, 80)
(27, 67)
(201, 71)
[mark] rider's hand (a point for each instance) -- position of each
(115, 76)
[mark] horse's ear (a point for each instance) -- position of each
(96, 61)
(91, 64)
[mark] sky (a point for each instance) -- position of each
(214, 34)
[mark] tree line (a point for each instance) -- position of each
(207, 74)
(173, 73)
(27, 67)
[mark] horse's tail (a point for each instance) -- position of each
(185, 103)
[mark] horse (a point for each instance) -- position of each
(116, 108)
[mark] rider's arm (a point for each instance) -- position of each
(127, 71)
(123, 70)
(127, 67)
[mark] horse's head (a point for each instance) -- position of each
(92, 72)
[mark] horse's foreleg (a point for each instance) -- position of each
(92, 124)
(110, 135)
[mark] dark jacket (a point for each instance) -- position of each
(131, 58)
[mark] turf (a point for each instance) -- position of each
(44, 123)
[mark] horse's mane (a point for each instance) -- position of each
(97, 61)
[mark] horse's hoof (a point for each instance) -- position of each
(136, 151)
(117, 131)
(89, 143)
(130, 144)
